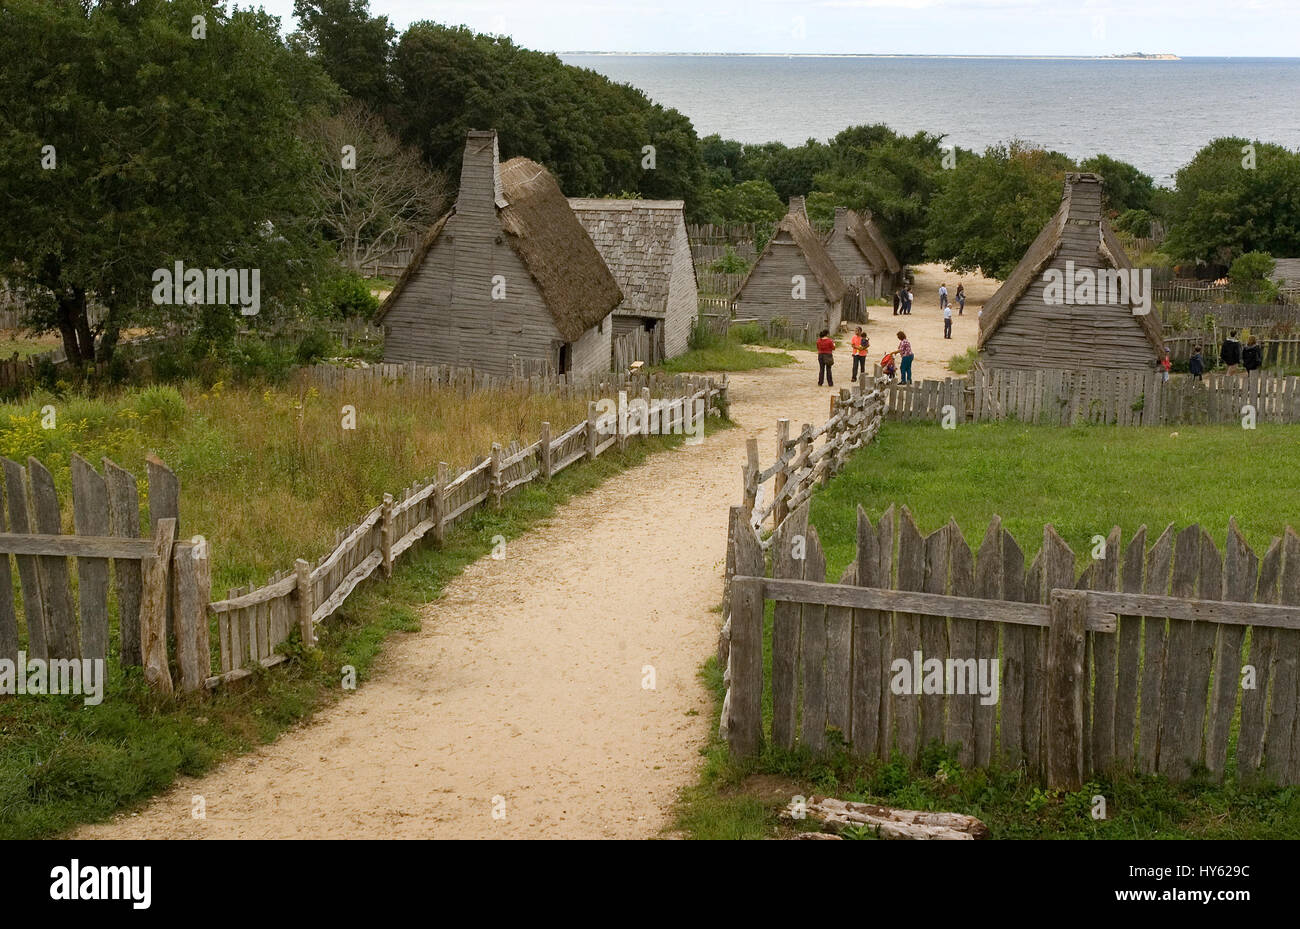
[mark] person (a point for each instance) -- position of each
(1196, 364)
(947, 322)
(943, 296)
(887, 365)
(904, 352)
(825, 358)
(898, 300)
(906, 308)
(860, 344)
(1252, 356)
(1165, 366)
(961, 299)
(1230, 353)
(911, 298)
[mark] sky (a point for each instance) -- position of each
(1264, 28)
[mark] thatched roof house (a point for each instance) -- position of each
(508, 273)
(794, 278)
(645, 245)
(1035, 321)
(1286, 273)
(863, 256)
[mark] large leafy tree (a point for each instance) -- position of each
(1234, 197)
(162, 147)
(353, 47)
(994, 206)
(1125, 187)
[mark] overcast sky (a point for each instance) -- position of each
(979, 27)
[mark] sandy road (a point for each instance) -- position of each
(525, 680)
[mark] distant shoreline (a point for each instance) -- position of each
(590, 54)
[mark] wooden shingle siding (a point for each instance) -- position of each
(591, 354)
(767, 293)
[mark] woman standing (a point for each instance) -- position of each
(860, 344)
(825, 358)
(961, 299)
(904, 351)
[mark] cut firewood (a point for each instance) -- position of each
(890, 823)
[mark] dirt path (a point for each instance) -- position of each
(525, 681)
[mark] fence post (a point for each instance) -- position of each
(544, 460)
(303, 600)
(591, 429)
(745, 723)
(1066, 682)
(751, 474)
(386, 535)
(153, 608)
(645, 396)
(780, 510)
(498, 492)
(190, 593)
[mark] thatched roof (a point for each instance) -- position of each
(1286, 271)
(578, 288)
(637, 239)
(1082, 210)
(796, 225)
(870, 241)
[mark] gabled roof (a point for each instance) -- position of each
(795, 224)
(1082, 209)
(866, 235)
(577, 287)
(637, 239)
(1286, 270)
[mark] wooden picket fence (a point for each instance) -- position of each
(1125, 398)
(812, 457)
(252, 623)
(160, 582)
(1141, 663)
(638, 345)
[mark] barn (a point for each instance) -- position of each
(1065, 305)
(794, 278)
(644, 243)
(863, 256)
(507, 276)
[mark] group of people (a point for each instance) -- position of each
(1249, 357)
(859, 345)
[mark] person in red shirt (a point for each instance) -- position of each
(825, 358)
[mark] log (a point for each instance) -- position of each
(891, 823)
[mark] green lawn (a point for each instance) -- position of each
(1083, 480)
(709, 352)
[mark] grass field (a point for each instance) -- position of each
(709, 352)
(1083, 480)
(266, 475)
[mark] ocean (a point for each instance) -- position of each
(1153, 114)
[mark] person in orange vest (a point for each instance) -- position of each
(860, 343)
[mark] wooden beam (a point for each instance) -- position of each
(82, 546)
(1066, 680)
(153, 608)
(1215, 611)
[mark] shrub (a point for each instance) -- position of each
(347, 296)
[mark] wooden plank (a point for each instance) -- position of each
(62, 636)
(189, 576)
(1057, 569)
(745, 702)
(789, 543)
(812, 653)
(1178, 662)
(153, 609)
(1104, 651)
(1280, 739)
(934, 634)
(264, 594)
(1155, 644)
(988, 585)
(1209, 587)
(8, 615)
(90, 517)
(960, 731)
(839, 664)
(1254, 700)
(1066, 680)
(867, 681)
(67, 546)
(1239, 572)
(906, 708)
(1129, 656)
(164, 493)
(303, 603)
(124, 518)
(1011, 736)
(886, 537)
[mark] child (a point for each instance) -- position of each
(1196, 365)
(887, 366)
(1165, 366)
(825, 358)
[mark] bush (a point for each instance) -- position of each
(347, 296)
(749, 333)
(315, 346)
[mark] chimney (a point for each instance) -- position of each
(1084, 193)
(480, 173)
(841, 218)
(797, 208)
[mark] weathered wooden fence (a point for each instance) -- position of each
(160, 583)
(1056, 396)
(718, 284)
(252, 623)
(1141, 663)
(638, 345)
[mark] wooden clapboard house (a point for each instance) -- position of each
(507, 276)
(794, 278)
(645, 245)
(1021, 328)
(863, 256)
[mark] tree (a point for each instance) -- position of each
(127, 143)
(747, 202)
(370, 190)
(994, 206)
(1234, 197)
(1249, 277)
(352, 47)
(1125, 187)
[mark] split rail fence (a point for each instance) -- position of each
(1060, 397)
(1142, 663)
